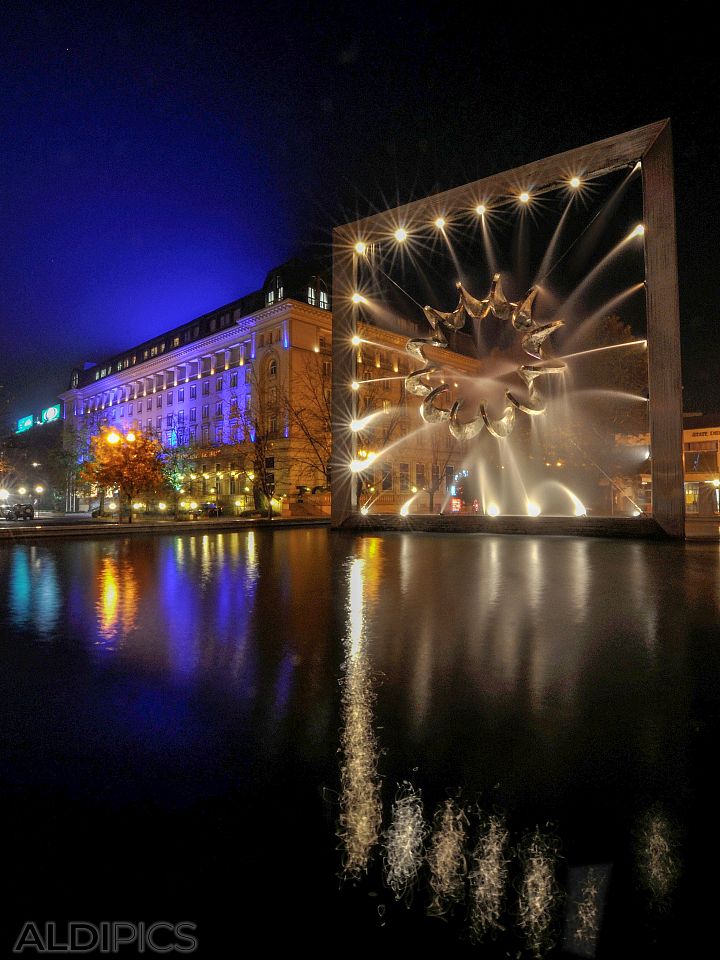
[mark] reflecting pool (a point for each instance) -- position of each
(481, 745)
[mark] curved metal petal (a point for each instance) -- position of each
(431, 413)
(475, 309)
(534, 341)
(525, 407)
(415, 349)
(499, 303)
(499, 428)
(522, 314)
(415, 383)
(464, 431)
(529, 372)
(454, 320)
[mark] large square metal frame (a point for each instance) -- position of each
(652, 146)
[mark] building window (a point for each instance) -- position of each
(272, 424)
(324, 302)
(248, 376)
(275, 291)
(218, 408)
(158, 400)
(130, 409)
(272, 368)
(193, 414)
(158, 424)
(193, 391)
(139, 406)
(218, 384)
(233, 379)
(169, 420)
(218, 433)
(181, 418)
(181, 394)
(205, 439)
(420, 475)
(387, 475)
(149, 403)
(404, 474)
(206, 388)
(435, 472)
(327, 368)
(205, 411)
(169, 398)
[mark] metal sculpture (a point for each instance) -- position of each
(520, 315)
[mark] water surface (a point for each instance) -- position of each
(206, 726)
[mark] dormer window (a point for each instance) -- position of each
(317, 294)
(275, 291)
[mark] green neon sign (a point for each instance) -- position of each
(50, 414)
(24, 423)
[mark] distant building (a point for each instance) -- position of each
(198, 384)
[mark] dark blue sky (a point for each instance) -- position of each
(156, 162)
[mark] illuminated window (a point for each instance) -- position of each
(275, 291)
(272, 368)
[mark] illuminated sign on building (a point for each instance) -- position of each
(50, 414)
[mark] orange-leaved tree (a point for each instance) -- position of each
(129, 463)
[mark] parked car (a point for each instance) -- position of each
(17, 511)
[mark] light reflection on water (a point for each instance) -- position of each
(532, 680)
(34, 594)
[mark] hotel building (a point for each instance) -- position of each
(196, 384)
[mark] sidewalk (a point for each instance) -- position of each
(59, 527)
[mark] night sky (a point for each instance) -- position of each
(157, 162)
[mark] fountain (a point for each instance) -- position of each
(522, 402)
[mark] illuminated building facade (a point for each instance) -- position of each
(419, 472)
(197, 385)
